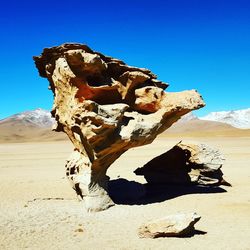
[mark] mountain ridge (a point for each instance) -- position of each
(43, 119)
(38, 117)
(236, 118)
(36, 126)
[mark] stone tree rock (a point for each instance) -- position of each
(186, 163)
(106, 107)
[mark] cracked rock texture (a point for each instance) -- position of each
(186, 163)
(106, 107)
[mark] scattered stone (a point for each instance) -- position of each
(186, 163)
(79, 230)
(106, 107)
(179, 225)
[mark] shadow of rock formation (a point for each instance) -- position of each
(127, 192)
(187, 168)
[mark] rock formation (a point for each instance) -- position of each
(178, 225)
(106, 107)
(186, 163)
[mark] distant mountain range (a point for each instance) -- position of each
(237, 118)
(38, 117)
(29, 126)
(36, 125)
(42, 118)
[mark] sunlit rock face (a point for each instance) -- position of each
(106, 107)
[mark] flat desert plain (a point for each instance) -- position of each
(39, 210)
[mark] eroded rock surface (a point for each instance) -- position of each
(106, 107)
(186, 163)
(170, 226)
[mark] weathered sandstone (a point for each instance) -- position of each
(106, 107)
(186, 163)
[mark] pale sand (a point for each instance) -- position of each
(36, 171)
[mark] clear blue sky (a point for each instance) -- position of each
(203, 44)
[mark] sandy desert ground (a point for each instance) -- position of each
(40, 211)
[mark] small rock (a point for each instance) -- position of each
(170, 226)
(79, 230)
